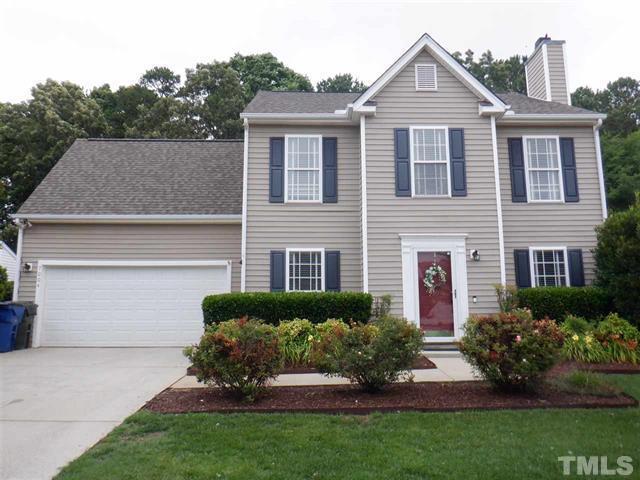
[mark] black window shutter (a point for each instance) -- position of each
(276, 170)
(278, 274)
(516, 167)
(330, 170)
(403, 163)
(569, 172)
(523, 269)
(576, 268)
(332, 270)
(458, 169)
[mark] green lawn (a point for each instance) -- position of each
(498, 445)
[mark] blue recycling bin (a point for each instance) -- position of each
(11, 314)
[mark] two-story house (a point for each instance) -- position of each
(428, 186)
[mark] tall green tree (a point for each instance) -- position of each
(343, 82)
(161, 80)
(502, 75)
(34, 135)
(264, 71)
(122, 108)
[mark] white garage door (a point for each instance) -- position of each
(126, 305)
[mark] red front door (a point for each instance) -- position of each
(436, 306)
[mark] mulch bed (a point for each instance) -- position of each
(423, 363)
(347, 399)
(597, 367)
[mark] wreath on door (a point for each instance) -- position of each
(434, 277)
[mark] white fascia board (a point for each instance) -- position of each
(296, 116)
(440, 54)
(491, 109)
(38, 217)
(555, 118)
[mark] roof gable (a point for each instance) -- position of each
(444, 58)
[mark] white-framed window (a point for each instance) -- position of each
(426, 77)
(305, 269)
(303, 168)
(549, 266)
(543, 167)
(430, 162)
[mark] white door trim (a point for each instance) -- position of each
(411, 244)
(43, 265)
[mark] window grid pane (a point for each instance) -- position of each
(303, 168)
(305, 271)
(430, 162)
(543, 163)
(549, 268)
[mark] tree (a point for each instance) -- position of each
(617, 256)
(265, 72)
(161, 80)
(343, 82)
(622, 169)
(123, 107)
(168, 117)
(620, 101)
(499, 75)
(35, 134)
(215, 97)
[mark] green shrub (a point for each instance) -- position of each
(511, 350)
(557, 302)
(619, 339)
(274, 307)
(617, 256)
(507, 296)
(371, 355)
(6, 286)
(381, 306)
(585, 383)
(575, 324)
(296, 338)
(240, 356)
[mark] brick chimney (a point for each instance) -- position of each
(546, 71)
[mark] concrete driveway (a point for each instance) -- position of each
(55, 403)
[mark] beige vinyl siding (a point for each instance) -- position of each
(552, 224)
(399, 105)
(48, 241)
(557, 77)
(536, 86)
(277, 226)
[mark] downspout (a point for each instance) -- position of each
(363, 176)
(496, 174)
(16, 282)
(245, 176)
(603, 192)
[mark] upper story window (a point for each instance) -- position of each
(426, 77)
(430, 159)
(305, 270)
(544, 173)
(303, 177)
(549, 267)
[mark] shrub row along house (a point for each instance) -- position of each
(428, 186)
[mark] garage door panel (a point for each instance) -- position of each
(121, 306)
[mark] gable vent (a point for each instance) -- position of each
(426, 78)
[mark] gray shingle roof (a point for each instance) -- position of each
(299, 102)
(522, 104)
(143, 177)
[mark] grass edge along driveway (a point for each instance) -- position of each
(473, 444)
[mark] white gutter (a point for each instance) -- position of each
(245, 176)
(68, 218)
(510, 115)
(296, 116)
(16, 281)
(496, 174)
(603, 191)
(365, 228)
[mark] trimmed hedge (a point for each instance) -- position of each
(557, 302)
(273, 307)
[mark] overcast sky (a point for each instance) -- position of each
(91, 43)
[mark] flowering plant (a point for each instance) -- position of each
(434, 277)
